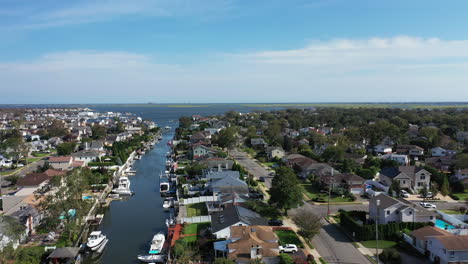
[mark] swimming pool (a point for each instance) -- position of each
(443, 225)
(87, 197)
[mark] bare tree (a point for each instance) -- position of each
(307, 221)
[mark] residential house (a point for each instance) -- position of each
(303, 141)
(461, 174)
(217, 163)
(258, 142)
(438, 152)
(382, 149)
(62, 163)
(275, 152)
(448, 249)
(87, 155)
(411, 150)
(354, 183)
(393, 210)
(302, 162)
(200, 151)
(37, 180)
(462, 136)
(216, 175)
(443, 164)
(198, 138)
(96, 145)
(233, 215)
(317, 169)
(4, 162)
(421, 235)
(54, 141)
(409, 177)
(249, 243)
(400, 158)
(228, 184)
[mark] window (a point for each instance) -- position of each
(445, 251)
(388, 212)
(410, 212)
(431, 217)
(404, 182)
(420, 184)
(422, 177)
(452, 254)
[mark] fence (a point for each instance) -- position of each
(196, 219)
(200, 199)
(452, 220)
(378, 185)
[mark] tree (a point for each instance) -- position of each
(461, 161)
(390, 256)
(66, 148)
(431, 133)
(445, 188)
(185, 122)
(99, 132)
(286, 192)
(424, 191)
(226, 137)
(395, 188)
(333, 154)
(434, 189)
(307, 221)
(223, 261)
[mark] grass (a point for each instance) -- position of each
(10, 172)
(451, 211)
(31, 160)
(355, 244)
(40, 154)
(371, 259)
(337, 218)
(313, 193)
(193, 229)
(462, 196)
(322, 261)
(197, 209)
(382, 244)
(288, 237)
(270, 164)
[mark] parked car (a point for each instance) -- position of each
(275, 222)
(404, 194)
(256, 195)
(428, 205)
(262, 179)
(428, 195)
(288, 248)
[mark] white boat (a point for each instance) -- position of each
(164, 185)
(152, 258)
(167, 203)
(167, 128)
(124, 187)
(96, 240)
(157, 243)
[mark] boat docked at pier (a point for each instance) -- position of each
(168, 203)
(97, 241)
(156, 247)
(164, 184)
(124, 187)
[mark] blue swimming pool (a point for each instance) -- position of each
(443, 225)
(87, 197)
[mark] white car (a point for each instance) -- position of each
(404, 194)
(288, 248)
(428, 205)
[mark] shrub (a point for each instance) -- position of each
(285, 259)
(390, 256)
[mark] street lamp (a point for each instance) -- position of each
(329, 192)
(377, 202)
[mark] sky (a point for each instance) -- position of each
(230, 51)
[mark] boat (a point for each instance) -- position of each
(152, 258)
(167, 128)
(124, 187)
(167, 203)
(157, 243)
(164, 185)
(96, 241)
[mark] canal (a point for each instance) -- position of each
(131, 224)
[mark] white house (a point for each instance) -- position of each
(4, 162)
(383, 149)
(438, 152)
(87, 155)
(275, 152)
(400, 158)
(392, 210)
(448, 249)
(233, 215)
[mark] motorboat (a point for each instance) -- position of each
(157, 243)
(164, 185)
(96, 241)
(152, 258)
(124, 187)
(167, 203)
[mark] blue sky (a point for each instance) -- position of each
(193, 51)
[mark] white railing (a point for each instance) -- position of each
(378, 185)
(196, 219)
(200, 199)
(452, 220)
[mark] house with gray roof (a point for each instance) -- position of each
(410, 177)
(216, 175)
(227, 185)
(395, 210)
(234, 215)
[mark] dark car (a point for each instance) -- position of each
(262, 179)
(275, 222)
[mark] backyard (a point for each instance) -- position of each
(194, 229)
(382, 244)
(197, 209)
(314, 194)
(462, 196)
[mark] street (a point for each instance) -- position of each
(330, 243)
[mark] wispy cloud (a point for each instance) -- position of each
(87, 11)
(402, 68)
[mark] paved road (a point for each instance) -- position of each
(336, 247)
(331, 243)
(251, 166)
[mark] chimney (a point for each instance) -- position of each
(255, 252)
(219, 167)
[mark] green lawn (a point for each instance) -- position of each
(382, 244)
(313, 193)
(40, 154)
(288, 237)
(8, 172)
(197, 209)
(195, 228)
(451, 211)
(31, 160)
(462, 196)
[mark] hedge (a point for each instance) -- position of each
(100, 164)
(367, 232)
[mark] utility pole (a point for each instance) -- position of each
(377, 202)
(329, 192)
